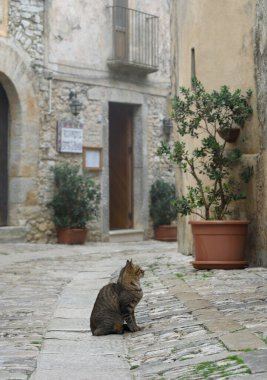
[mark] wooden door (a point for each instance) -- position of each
(120, 166)
(3, 156)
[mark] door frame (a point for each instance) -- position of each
(140, 159)
(4, 139)
(121, 166)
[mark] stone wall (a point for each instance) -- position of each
(94, 115)
(26, 25)
(41, 228)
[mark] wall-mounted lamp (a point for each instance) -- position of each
(75, 104)
(167, 127)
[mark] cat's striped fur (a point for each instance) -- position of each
(116, 303)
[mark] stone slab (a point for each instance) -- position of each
(70, 324)
(67, 335)
(259, 376)
(76, 302)
(207, 314)
(72, 313)
(12, 234)
(96, 345)
(197, 304)
(82, 374)
(242, 340)
(256, 360)
(179, 287)
(5, 375)
(186, 296)
(222, 325)
(84, 360)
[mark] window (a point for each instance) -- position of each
(120, 15)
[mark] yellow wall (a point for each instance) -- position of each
(222, 34)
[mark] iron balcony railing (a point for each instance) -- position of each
(135, 38)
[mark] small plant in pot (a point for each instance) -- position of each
(218, 176)
(75, 202)
(163, 210)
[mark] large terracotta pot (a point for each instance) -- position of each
(229, 134)
(166, 233)
(71, 235)
(219, 244)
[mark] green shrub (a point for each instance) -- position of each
(162, 203)
(76, 198)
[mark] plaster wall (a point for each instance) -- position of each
(80, 36)
(222, 36)
(75, 35)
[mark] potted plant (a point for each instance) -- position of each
(163, 210)
(217, 172)
(74, 203)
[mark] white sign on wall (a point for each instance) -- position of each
(92, 158)
(69, 137)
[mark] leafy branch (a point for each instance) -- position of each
(200, 115)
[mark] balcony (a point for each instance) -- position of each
(135, 41)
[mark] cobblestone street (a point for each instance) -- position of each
(197, 324)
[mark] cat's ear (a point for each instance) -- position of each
(129, 263)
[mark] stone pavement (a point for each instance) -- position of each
(197, 324)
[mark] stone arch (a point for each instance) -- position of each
(16, 77)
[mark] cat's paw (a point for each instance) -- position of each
(137, 328)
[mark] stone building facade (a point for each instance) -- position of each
(118, 65)
(50, 49)
(224, 43)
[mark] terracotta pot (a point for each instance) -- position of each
(166, 233)
(71, 235)
(219, 244)
(229, 134)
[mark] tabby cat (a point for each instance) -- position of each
(116, 302)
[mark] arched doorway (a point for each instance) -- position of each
(4, 111)
(19, 138)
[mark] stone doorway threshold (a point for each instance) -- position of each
(116, 236)
(13, 234)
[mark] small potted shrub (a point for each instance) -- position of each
(74, 203)
(163, 210)
(216, 170)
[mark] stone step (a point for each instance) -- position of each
(13, 234)
(117, 236)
